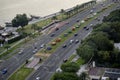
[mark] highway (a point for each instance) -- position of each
(16, 61)
(47, 69)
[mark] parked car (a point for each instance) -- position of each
(49, 48)
(65, 34)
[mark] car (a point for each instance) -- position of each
(78, 20)
(35, 50)
(91, 25)
(71, 41)
(82, 21)
(75, 34)
(4, 71)
(64, 46)
(37, 78)
(56, 29)
(65, 34)
(65, 60)
(76, 41)
(87, 28)
(20, 52)
(84, 27)
(49, 48)
(94, 13)
(91, 11)
(42, 45)
(77, 26)
(53, 34)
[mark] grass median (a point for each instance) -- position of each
(21, 73)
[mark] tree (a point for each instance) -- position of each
(102, 41)
(86, 52)
(103, 56)
(34, 27)
(113, 16)
(70, 67)
(20, 20)
(54, 18)
(62, 12)
(83, 76)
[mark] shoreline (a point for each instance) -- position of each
(2, 22)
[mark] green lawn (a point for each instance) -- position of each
(80, 61)
(21, 74)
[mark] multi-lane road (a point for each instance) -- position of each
(47, 69)
(16, 61)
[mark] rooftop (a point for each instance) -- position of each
(96, 71)
(112, 73)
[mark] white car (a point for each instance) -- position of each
(42, 45)
(20, 52)
(37, 78)
(34, 51)
(71, 41)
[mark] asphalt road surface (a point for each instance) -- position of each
(46, 70)
(16, 61)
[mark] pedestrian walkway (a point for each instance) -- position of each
(13, 45)
(82, 69)
(33, 63)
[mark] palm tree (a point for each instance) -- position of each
(34, 27)
(77, 8)
(62, 12)
(54, 18)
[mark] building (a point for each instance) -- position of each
(99, 73)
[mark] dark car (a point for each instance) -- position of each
(77, 20)
(84, 27)
(53, 35)
(49, 48)
(65, 60)
(87, 28)
(56, 29)
(66, 34)
(64, 46)
(75, 34)
(4, 71)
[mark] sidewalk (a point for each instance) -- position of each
(13, 46)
